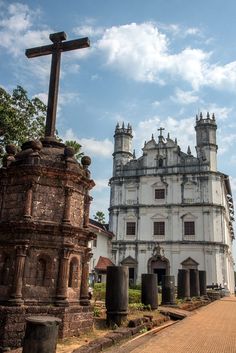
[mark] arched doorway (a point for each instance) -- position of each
(158, 264)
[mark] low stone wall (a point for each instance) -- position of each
(75, 320)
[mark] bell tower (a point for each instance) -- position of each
(122, 146)
(206, 140)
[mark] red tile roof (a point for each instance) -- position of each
(103, 262)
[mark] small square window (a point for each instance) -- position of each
(130, 228)
(189, 228)
(159, 194)
(159, 228)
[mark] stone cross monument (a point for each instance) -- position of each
(44, 233)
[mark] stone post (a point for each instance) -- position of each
(149, 293)
(67, 209)
(63, 277)
(194, 284)
(168, 290)
(16, 295)
(202, 283)
(183, 291)
(41, 334)
(84, 295)
(117, 294)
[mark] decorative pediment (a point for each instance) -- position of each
(189, 216)
(129, 261)
(159, 216)
(189, 262)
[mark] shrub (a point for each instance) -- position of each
(99, 291)
(134, 296)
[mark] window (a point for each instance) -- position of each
(159, 228)
(95, 242)
(189, 228)
(130, 228)
(159, 194)
(160, 163)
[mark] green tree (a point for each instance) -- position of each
(100, 217)
(21, 118)
(77, 148)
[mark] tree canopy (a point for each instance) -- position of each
(100, 217)
(23, 119)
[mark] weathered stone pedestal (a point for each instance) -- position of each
(183, 289)
(168, 290)
(44, 235)
(149, 293)
(117, 294)
(194, 284)
(202, 283)
(41, 334)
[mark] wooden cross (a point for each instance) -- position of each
(161, 129)
(55, 49)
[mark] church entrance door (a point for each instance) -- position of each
(158, 264)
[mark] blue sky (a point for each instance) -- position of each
(151, 63)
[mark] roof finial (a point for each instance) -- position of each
(123, 125)
(134, 156)
(213, 117)
(176, 141)
(168, 136)
(196, 117)
(189, 151)
(200, 115)
(208, 115)
(152, 137)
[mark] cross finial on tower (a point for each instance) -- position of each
(161, 129)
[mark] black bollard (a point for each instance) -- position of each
(202, 283)
(117, 294)
(168, 290)
(41, 334)
(194, 284)
(149, 291)
(183, 291)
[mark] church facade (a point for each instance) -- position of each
(171, 210)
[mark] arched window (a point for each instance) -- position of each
(41, 272)
(73, 273)
(160, 163)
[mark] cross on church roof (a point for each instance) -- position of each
(161, 129)
(55, 49)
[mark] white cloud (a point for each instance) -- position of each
(101, 184)
(43, 97)
(141, 52)
(185, 97)
(91, 146)
(225, 142)
(88, 30)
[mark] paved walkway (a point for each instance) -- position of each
(211, 330)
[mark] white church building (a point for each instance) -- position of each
(171, 210)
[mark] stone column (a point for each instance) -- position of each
(202, 283)
(183, 284)
(63, 277)
(168, 290)
(28, 202)
(41, 334)
(84, 296)
(16, 295)
(149, 291)
(87, 202)
(67, 209)
(117, 294)
(194, 284)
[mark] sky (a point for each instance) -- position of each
(151, 63)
